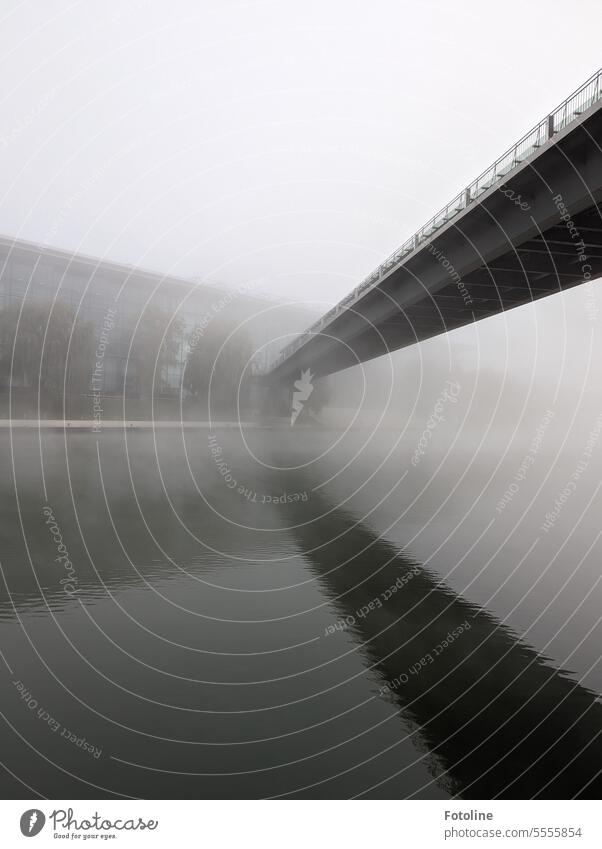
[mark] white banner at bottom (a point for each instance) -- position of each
(302, 823)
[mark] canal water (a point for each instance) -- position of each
(297, 612)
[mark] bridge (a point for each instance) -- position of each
(527, 227)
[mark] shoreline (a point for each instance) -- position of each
(116, 424)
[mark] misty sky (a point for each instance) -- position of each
(294, 143)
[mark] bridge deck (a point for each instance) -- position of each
(529, 226)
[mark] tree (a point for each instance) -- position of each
(155, 347)
(217, 371)
(44, 348)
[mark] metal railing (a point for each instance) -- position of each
(585, 96)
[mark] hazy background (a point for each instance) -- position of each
(294, 143)
(300, 142)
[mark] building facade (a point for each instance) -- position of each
(117, 304)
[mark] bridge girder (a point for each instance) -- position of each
(493, 256)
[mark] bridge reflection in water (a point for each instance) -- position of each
(497, 717)
(202, 675)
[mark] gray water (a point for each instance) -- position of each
(295, 613)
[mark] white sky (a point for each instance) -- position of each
(294, 142)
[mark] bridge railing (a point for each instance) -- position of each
(568, 111)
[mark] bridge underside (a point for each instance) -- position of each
(508, 248)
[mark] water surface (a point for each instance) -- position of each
(294, 613)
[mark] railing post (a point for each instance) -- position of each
(550, 126)
(466, 197)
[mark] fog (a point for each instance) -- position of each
(381, 583)
(295, 145)
(510, 370)
(299, 143)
